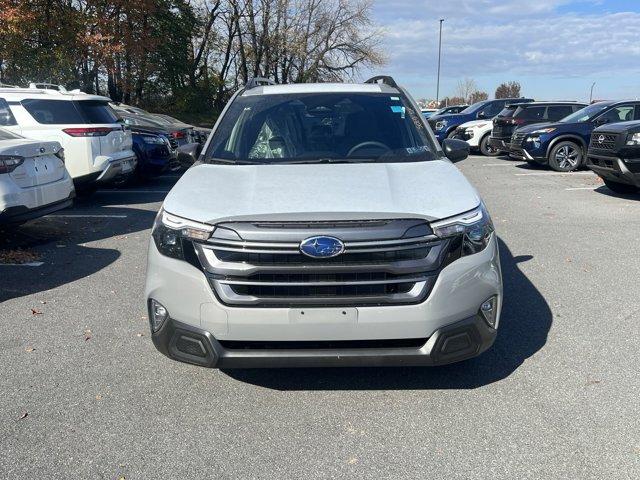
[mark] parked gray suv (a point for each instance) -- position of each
(323, 225)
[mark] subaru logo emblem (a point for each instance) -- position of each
(601, 139)
(321, 247)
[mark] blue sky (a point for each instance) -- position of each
(555, 48)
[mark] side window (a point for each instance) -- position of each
(621, 113)
(559, 111)
(637, 115)
(6, 117)
(494, 108)
(52, 112)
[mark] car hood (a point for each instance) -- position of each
(215, 193)
(474, 123)
(537, 126)
(619, 127)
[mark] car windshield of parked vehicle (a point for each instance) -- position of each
(585, 114)
(321, 127)
(474, 107)
(506, 112)
(7, 135)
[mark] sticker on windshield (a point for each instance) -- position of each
(398, 109)
(395, 98)
(417, 150)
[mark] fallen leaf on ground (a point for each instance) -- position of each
(35, 312)
(98, 397)
(24, 414)
(29, 349)
(352, 461)
(139, 334)
(18, 256)
(87, 335)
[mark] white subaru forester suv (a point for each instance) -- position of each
(322, 225)
(97, 147)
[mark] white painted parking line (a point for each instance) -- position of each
(497, 165)
(132, 191)
(542, 174)
(583, 188)
(28, 264)
(87, 216)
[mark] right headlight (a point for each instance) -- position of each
(474, 228)
(170, 231)
(633, 139)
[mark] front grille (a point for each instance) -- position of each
(501, 131)
(384, 262)
(609, 163)
(603, 141)
(517, 138)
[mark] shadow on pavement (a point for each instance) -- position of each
(60, 242)
(604, 190)
(524, 325)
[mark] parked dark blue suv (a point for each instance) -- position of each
(563, 145)
(444, 126)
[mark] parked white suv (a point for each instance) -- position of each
(33, 180)
(97, 147)
(324, 225)
(476, 133)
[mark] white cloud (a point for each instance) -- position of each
(566, 45)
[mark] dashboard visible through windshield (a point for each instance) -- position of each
(321, 127)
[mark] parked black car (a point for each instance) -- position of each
(563, 145)
(614, 155)
(516, 115)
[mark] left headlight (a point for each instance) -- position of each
(475, 228)
(633, 139)
(153, 140)
(170, 231)
(543, 130)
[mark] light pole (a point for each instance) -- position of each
(439, 56)
(591, 94)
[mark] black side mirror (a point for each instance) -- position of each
(602, 120)
(455, 149)
(188, 154)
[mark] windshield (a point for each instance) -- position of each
(587, 113)
(507, 112)
(474, 107)
(321, 127)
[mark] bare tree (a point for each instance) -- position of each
(478, 96)
(465, 88)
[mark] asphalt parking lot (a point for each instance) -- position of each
(86, 395)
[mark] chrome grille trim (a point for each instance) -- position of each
(391, 262)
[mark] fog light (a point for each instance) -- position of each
(157, 315)
(489, 311)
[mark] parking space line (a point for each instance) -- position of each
(583, 188)
(86, 216)
(497, 165)
(132, 191)
(542, 174)
(28, 264)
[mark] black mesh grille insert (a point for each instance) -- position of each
(344, 259)
(328, 344)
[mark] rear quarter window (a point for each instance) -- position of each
(559, 111)
(52, 112)
(6, 117)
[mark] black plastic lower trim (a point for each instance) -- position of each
(453, 343)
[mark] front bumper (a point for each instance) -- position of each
(503, 144)
(453, 343)
(460, 289)
(615, 169)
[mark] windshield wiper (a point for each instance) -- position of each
(326, 160)
(230, 161)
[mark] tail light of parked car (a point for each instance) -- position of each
(90, 131)
(178, 134)
(8, 163)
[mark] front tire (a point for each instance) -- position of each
(486, 149)
(566, 156)
(622, 188)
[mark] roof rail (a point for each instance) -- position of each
(258, 82)
(47, 86)
(384, 79)
(6, 85)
